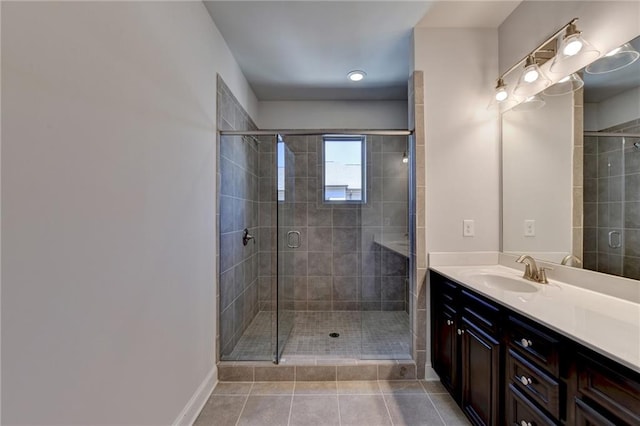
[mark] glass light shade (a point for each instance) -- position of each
(618, 58)
(569, 84)
(530, 104)
(501, 100)
(532, 80)
(572, 45)
(501, 106)
(574, 52)
(501, 94)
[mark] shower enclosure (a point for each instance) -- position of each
(326, 274)
(612, 201)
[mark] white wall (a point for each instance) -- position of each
(591, 117)
(616, 110)
(108, 214)
(462, 153)
(332, 115)
(537, 148)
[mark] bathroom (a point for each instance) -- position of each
(541, 155)
(339, 308)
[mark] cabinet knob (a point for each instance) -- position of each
(525, 423)
(526, 342)
(449, 322)
(460, 331)
(525, 380)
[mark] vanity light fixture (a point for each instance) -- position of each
(530, 104)
(565, 85)
(569, 54)
(616, 59)
(532, 80)
(574, 52)
(356, 75)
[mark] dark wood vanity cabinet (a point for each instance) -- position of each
(444, 324)
(467, 355)
(503, 368)
(604, 392)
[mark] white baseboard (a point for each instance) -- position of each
(430, 373)
(190, 412)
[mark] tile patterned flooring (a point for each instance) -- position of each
(363, 335)
(340, 403)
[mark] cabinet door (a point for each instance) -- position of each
(445, 350)
(587, 416)
(480, 372)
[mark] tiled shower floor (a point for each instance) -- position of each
(363, 335)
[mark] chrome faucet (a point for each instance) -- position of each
(531, 270)
(570, 260)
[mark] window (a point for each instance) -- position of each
(344, 171)
(281, 168)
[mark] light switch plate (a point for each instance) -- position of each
(468, 228)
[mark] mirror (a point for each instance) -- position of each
(570, 183)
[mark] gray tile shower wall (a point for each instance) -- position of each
(238, 178)
(338, 266)
(612, 203)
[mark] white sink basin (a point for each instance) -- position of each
(503, 282)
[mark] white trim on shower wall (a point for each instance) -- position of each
(190, 412)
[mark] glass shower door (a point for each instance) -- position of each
(288, 241)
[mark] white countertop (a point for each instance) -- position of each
(606, 324)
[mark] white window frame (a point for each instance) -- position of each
(363, 167)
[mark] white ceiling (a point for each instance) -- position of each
(303, 50)
(468, 14)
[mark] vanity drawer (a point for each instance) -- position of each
(537, 344)
(521, 412)
(444, 290)
(533, 383)
(615, 391)
(481, 312)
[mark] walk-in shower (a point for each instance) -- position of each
(327, 274)
(612, 200)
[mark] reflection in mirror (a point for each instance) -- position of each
(612, 163)
(537, 180)
(572, 194)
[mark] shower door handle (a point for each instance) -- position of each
(293, 239)
(613, 244)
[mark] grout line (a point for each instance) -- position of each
(245, 404)
(436, 408)
(338, 398)
(291, 405)
(384, 399)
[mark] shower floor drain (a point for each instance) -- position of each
(334, 334)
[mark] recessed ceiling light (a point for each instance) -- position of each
(356, 75)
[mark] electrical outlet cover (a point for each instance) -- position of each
(468, 228)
